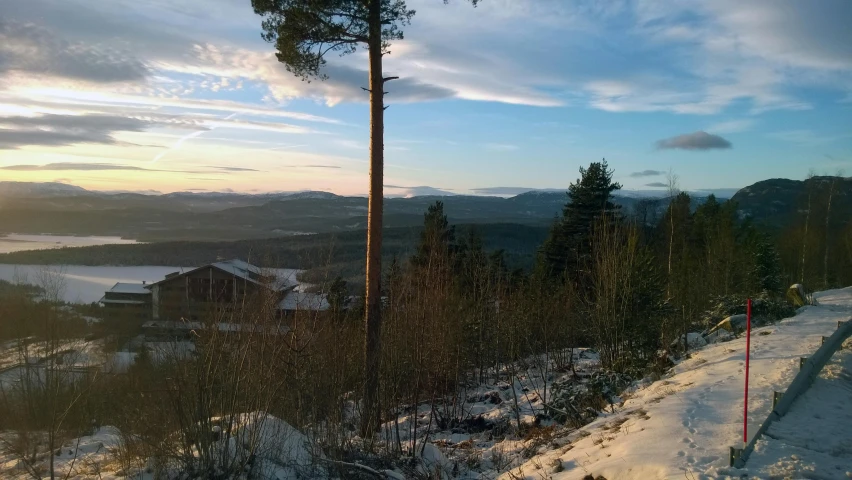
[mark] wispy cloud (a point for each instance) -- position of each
(33, 50)
(501, 147)
(647, 173)
(731, 126)
(656, 185)
(421, 190)
(60, 130)
(234, 169)
(72, 166)
(353, 144)
(513, 190)
(694, 141)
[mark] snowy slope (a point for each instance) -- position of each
(682, 425)
(814, 439)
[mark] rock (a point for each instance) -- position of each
(733, 324)
(720, 335)
(693, 339)
(796, 295)
(433, 463)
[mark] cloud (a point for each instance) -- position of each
(233, 169)
(60, 130)
(501, 147)
(31, 49)
(694, 141)
(718, 52)
(317, 166)
(345, 82)
(789, 32)
(731, 126)
(501, 190)
(63, 166)
(507, 191)
(656, 185)
(647, 173)
(192, 37)
(419, 191)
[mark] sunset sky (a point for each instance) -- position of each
(512, 95)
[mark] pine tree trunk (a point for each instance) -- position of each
(373, 321)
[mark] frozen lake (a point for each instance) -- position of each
(85, 284)
(15, 242)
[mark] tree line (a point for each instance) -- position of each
(456, 316)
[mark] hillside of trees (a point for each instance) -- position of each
(626, 283)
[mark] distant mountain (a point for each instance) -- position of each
(312, 194)
(778, 201)
(46, 189)
(234, 216)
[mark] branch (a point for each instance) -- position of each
(356, 466)
(388, 79)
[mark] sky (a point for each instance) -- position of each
(513, 95)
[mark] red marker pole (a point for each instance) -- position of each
(747, 355)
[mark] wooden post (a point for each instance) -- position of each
(734, 454)
(747, 355)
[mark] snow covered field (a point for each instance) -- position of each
(15, 242)
(682, 425)
(85, 284)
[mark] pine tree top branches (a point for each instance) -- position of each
(590, 198)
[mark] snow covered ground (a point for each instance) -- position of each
(680, 426)
(683, 425)
(84, 284)
(15, 242)
(814, 439)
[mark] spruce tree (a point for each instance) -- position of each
(568, 247)
(337, 298)
(437, 238)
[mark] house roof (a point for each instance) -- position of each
(118, 301)
(304, 301)
(245, 271)
(134, 288)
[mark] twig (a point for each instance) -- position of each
(357, 466)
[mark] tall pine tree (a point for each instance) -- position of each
(437, 240)
(568, 247)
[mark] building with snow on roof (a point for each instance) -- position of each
(192, 294)
(128, 301)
